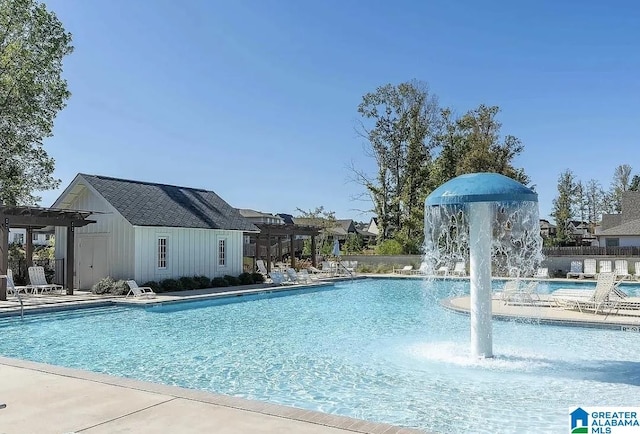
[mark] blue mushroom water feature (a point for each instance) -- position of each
(492, 220)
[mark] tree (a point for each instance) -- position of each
(33, 43)
(400, 122)
(481, 148)
(562, 207)
(621, 183)
(594, 195)
(323, 220)
(635, 183)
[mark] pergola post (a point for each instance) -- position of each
(279, 248)
(29, 247)
(313, 250)
(69, 258)
(257, 255)
(292, 251)
(4, 256)
(268, 250)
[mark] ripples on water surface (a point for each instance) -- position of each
(381, 350)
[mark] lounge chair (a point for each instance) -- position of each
(12, 289)
(305, 277)
(541, 273)
(622, 269)
(139, 291)
(604, 266)
(516, 291)
(407, 269)
(576, 270)
(606, 295)
(637, 270)
(319, 272)
(262, 269)
(442, 271)
(38, 281)
(589, 268)
(460, 269)
(279, 278)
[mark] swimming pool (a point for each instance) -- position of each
(379, 349)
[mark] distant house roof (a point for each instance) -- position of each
(150, 204)
(627, 228)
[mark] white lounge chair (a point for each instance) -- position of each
(262, 268)
(319, 272)
(516, 291)
(589, 268)
(576, 270)
(442, 271)
(636, 273)
(542, 273)
(407, 269)
(139, 291)
(460, 269)
(38, 281)
(279, 278)
(605, 295)
(604, 266)
(622, 269)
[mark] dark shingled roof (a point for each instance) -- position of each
(149, 204)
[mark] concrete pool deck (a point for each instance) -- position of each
(45, 399)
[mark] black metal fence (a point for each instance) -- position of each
(21, 275)
(591, 251)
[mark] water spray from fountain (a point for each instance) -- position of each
(492, 221)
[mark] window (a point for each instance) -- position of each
(222, 252)
(613, 242)
(162, 252)
(34, 236)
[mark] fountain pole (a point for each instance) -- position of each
(480, 278)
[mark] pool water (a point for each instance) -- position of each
(379, 349)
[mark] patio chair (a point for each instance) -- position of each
(139, 291)
(262, 268)
(604, 266)
(279, 278)
(460, 269)
(305, 277)
(319, 272)
(589, 268)
(576, 270)
(12, 289)
(622, 269)
(636, 273)
(605, 296)
(522, 293)
(38, 281)
(541, 273)
(407, 269)
(442, 271)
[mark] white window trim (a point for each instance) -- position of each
(166, 252)
(222, 259)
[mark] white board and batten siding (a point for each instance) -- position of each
(114, 232)
(189, 252)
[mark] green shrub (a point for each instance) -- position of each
(245, 279)
(103, 286)
(384, 268)
(365, 268)
(120, 288)
(257, 278)
(219, 282)
(188, 283)
(389, 247)
(232, 280)
(168, 285)
(202, 282)
(153, 285)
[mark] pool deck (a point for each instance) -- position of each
(43, 398)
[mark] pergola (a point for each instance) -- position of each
(280, 232)
(30, 218)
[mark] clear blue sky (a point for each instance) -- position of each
(256, 100)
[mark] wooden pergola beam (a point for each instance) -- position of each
(24, 217)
